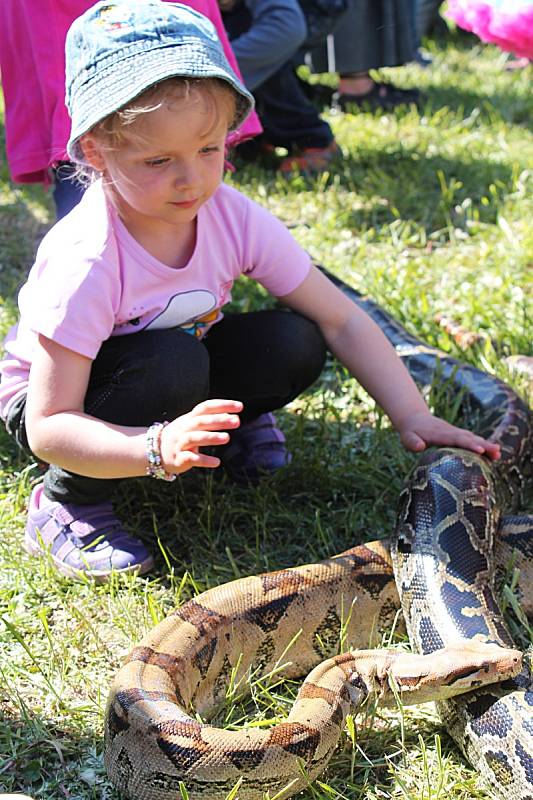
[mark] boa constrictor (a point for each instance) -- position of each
(289, 621)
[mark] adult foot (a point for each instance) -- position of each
(311, 160)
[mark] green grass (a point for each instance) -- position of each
(429, 212)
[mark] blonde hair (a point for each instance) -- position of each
(120, 127)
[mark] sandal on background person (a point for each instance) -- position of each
(311, 160)
(385, 96)
(306, 160)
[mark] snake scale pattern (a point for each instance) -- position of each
(438, 567)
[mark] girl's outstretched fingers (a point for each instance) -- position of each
(215, 406)
(475, 443)
(421, 430)
(206, 425)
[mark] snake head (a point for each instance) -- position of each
(405, 539)
(461, 667)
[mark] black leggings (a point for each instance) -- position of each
(264, 359)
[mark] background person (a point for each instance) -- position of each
(33, 82)
(372, 34)
(266, 36)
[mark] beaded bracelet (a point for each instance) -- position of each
(153, 453)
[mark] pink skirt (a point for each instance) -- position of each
(507, 23)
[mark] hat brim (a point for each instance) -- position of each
(112, 86)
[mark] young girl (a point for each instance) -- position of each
(122, 364)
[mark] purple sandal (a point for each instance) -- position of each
(81, 539)
(256, 449)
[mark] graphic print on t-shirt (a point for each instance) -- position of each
(192, 311)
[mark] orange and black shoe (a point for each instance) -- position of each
(311, 160)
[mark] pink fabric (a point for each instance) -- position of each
(92, 279)
(32, 63)
(508, 24)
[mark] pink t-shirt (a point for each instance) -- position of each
(92, 279)
(32, 63)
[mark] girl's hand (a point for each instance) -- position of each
(421, 429)
(204, 426)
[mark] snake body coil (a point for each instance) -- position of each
(292, 620)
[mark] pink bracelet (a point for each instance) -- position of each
(153, 453)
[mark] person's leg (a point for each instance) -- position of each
(374, 34)
(371, 34)
(80, 539)
(265, 359)
(289, 119)
(427, 14)
(67, 190)
(136, 380)
(292, 121)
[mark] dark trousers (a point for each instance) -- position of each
(288, 117)
(67, 190)
(371, 34)
(264, 358)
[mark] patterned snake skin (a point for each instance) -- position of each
(444, 557)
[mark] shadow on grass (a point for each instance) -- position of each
(511, 106)
(49, 762)
(429, 190)
(340, 490)
(396, 182)
(402, 184)
(22, 227)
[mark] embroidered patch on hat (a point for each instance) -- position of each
(111, 18)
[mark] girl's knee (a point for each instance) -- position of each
(164, 373)
(305, 348)
(176, 365)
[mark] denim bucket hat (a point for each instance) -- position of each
(115, 51)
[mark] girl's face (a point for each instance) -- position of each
(170, 166)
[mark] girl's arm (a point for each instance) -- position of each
(360, 345)
(61, 433)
